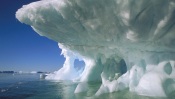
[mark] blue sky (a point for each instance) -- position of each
(20, 47)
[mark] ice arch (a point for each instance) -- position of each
(102, 33)
(79, 65)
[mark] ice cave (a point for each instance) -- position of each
(124, 43)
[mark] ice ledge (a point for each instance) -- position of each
(103, 33)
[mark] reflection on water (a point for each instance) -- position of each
(93, 87)
(29, 86)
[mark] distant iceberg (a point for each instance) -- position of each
(124, 43)
(33, 72)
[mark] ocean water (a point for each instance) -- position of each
(30, 86)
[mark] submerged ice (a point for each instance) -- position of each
(124, 43)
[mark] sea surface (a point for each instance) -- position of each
(30, 86)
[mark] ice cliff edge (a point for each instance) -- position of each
(124, 43)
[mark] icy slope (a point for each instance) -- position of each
(124, 43)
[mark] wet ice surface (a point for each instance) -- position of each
(29, 86)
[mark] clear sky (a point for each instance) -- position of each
(20, 47)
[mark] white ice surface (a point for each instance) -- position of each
(104, 32)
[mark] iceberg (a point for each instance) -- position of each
(124, 43)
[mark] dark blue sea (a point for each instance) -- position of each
(30, 86)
